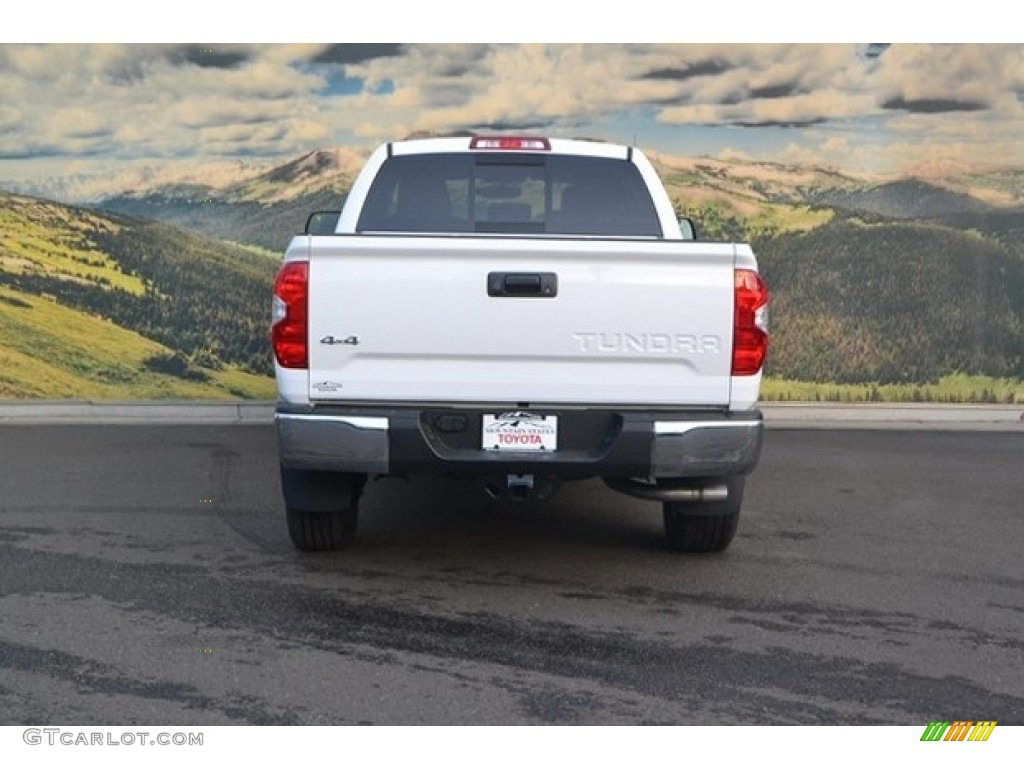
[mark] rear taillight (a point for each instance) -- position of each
(750, 323)
(291, 292)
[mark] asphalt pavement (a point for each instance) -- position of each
(146, 577)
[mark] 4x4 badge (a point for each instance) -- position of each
(351, 340)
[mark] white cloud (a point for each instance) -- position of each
(835, 145)
(962, 73)
(157, 101)
(113, 103)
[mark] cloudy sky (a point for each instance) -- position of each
(95, 108)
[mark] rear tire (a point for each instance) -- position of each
(322, 508)
(322, 531)
(707, 526)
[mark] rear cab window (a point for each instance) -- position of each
(510, 192)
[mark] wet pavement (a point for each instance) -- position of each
(146, 577)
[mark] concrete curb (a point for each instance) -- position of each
(910, 416)
(142, 412)
(902, 416)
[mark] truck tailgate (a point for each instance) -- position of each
(574, 321)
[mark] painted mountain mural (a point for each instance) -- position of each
(151, 189)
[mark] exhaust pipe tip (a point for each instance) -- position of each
(668, 491)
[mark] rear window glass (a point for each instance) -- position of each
(509, 193)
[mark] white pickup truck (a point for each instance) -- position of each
(522, 311)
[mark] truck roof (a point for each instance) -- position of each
(557, 146)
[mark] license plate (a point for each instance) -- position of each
(519, 431)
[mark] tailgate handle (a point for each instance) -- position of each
(543, 285)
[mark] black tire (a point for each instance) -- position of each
(322, 508)
(707, 526)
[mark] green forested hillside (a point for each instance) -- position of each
(1004, 226)
(91, 303)
(267, 225)
(201, 294)
(888, 301)
(903, 199)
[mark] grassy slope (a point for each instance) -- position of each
(953, 388)
(51, 351)
(51, 346)
(729, 208)
(44, 237)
